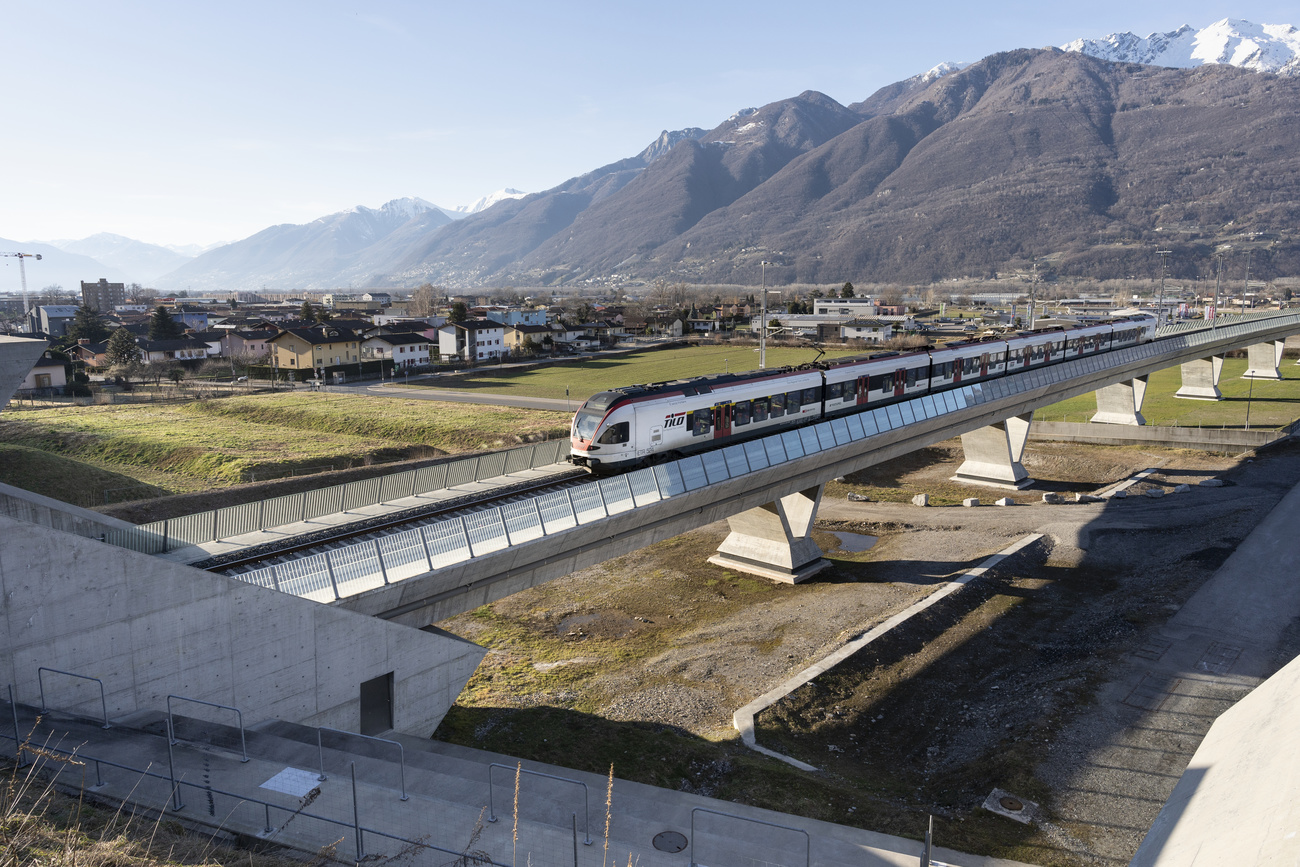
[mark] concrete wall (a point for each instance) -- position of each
(149, 628)
(35, 509)
(17, 357)
(1213, 439)
(1238, 802)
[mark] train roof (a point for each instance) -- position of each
(693, 385)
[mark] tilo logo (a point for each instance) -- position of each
(676, 419)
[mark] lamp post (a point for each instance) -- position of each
(1164, 269)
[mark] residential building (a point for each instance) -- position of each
(103, 296)
(518, 335)
(868, 330)
(52, 319)
(46, 377)
(472, 340)
(247, 342)
(315, 347)
(92, 354)
(406, 349)
(517, 316)
(179, 349)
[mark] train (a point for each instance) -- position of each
(640, 425)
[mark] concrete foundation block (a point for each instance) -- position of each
(773, 541)
(921, 500)
(1118, 495)
(1121, 403)
(1087, 498)
(1211, 483)
(970, 502)
(1053, 498)
(993, 454)
(1005, 501)
(1264, 359)
(1201, 379)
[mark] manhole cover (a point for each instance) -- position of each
(670, 841)
(1010, 803)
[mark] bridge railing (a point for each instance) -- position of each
(162, 536)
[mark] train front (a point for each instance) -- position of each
(601, 435)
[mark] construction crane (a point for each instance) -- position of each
(22, 269)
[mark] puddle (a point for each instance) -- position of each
(855, 543)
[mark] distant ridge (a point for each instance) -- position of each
(1258, 47)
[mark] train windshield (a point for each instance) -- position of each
(585, 423)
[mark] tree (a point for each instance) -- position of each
(87, 325)
(122, 348)
(847, 291)
(162, 326)
(307, 313)
(459, 312)
(424, 300)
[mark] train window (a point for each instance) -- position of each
(740, 414)
(884, 382)
(778, 405)
(701, 422)
(792, 403)
(585, 424)
(913, 375)
(834, 390)
(809, 396)
(760, 409)
(614, 434)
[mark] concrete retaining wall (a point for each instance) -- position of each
(149, 628)
(35, 509)
(1210, 439)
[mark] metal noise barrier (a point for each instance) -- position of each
(161, 536)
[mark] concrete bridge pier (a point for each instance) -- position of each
(1201, 379)
(773, 540)
(1121, 403)
(1264, 358)
(993, 454)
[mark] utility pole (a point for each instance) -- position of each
(1218, 282)
(22, 270)
(1164, 270)
(1245, 288)
(762, 334)
(1033, 286)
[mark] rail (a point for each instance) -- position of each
(320, 748)
(171, 723)
(40, 679)
(807, 855)
(586, 804)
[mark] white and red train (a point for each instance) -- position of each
(624, 428)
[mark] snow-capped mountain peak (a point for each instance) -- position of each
(946, 68)
(1259, 47)
(482, 204)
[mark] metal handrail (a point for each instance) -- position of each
(178, 782)
(807, 839)
(102, 701)
(492, 817)
(320, 748)
(243, 746)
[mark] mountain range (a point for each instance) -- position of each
(1083, 158)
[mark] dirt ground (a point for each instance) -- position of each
(642, 661)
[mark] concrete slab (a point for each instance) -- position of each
(18, 355)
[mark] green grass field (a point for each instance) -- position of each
(194, 446)
(1271, 404)
(585, 378)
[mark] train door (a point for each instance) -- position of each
(900, 382)
(722, 421)
(984, 364)
(958, 367)
(863, 395)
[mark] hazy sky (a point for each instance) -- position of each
(182, 122)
